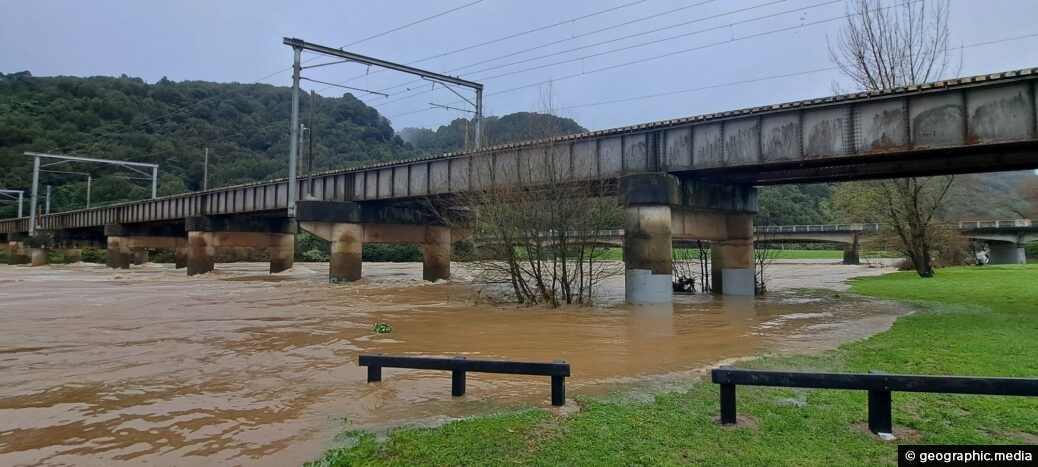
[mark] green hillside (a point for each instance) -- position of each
(245, 127)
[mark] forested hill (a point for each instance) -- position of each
(245, 127)
(519, 126)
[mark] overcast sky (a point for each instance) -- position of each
(242, 41)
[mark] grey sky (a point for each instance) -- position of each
(241, 41)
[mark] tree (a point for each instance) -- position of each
(764, 253)
(886, 45)
(535, 225)
(909, 206)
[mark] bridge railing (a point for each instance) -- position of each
(1015, 223)
(815, 228)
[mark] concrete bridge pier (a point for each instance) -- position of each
(38, 256)
(140, 256)
(346, 251)
(180, 255)
(436, 254)
(129, 243)
(660, 207)
(731, 260)
(850, 252)
(1007, 253)
(119, 254)
(16, 251)
(206, 234)
(648, 254)
(348, 226)
(73, 255)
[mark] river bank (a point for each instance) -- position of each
(970, 321)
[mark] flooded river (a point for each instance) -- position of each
(103, 367)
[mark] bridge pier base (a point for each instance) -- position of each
(17, 253)
(648, 258)
(119, 254)
(648, 250)
(206, 234)
(282, 252)
(731, 260)
(201, 252)
(660, 207)
(180, 255)
(1007, 253)
(436, 254)
(348, 226)
(73, 255)
(38, 257)
(140, 257)
(346, 250)
(850, 252)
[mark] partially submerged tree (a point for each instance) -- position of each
(536, 224)
(764, 254)
(886, 45)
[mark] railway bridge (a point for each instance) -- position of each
(688, 178)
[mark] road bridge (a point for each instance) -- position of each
(688, 178)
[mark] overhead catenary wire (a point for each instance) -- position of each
(700, 88)
(625, 48)
(665, 55)
(504, 38)
(731, 83)
(571, 38)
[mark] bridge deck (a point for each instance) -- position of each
(974, 124)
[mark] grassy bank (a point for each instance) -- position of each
(971, 321)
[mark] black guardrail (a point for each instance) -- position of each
(878, 384)
(558, 370)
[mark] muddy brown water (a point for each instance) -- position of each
(102, 367)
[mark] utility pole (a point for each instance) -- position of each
(47, 210)
(11, 193)
(89, 180)
(293, 141)
(310, 147)
(298, 45)
(205, 171)
(63, 159)
(479, 117)
(35, 192)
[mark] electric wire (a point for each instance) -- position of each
(701, 88)
(733, 83)
(656, 41)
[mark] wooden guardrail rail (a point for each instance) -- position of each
(879, 385)
(558, 370)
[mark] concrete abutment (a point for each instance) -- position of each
(1007, 253)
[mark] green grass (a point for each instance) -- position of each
(971, 321)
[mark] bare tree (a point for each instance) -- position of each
(763, 255)
(692, 266)
(886, 45)
(536, 223)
